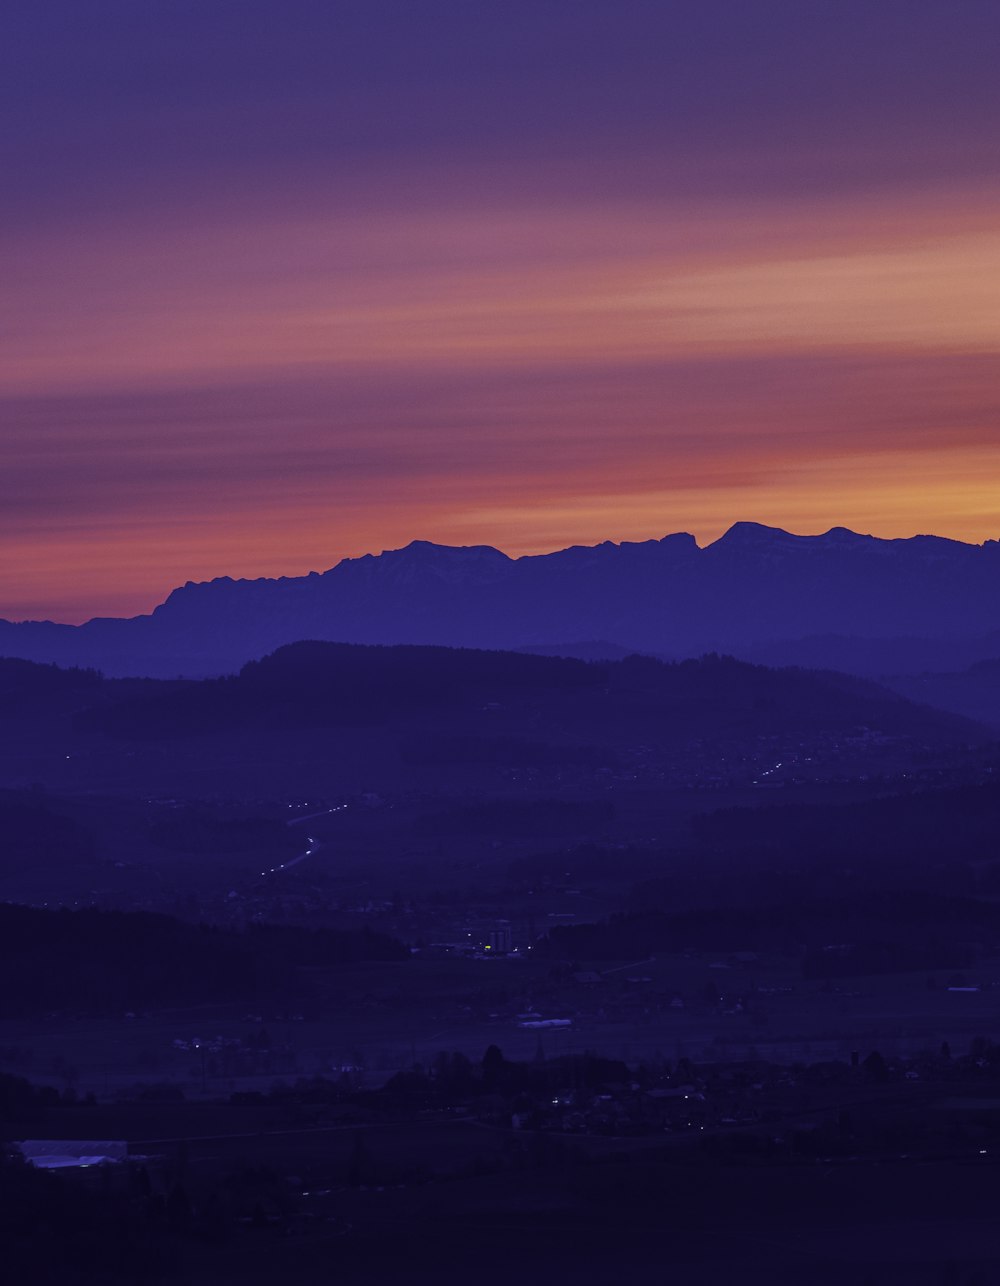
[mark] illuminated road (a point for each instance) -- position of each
(314, 844)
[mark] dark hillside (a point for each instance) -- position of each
(973, 692)
(329, 684)
(961, 825)
(26, 687)
(832, 937)
(110, 962)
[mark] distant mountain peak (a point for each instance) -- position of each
(429, 551)
(845, 536)
(423, 560)
(757, 536)
(753, 535)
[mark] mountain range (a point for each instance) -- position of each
(836, 601)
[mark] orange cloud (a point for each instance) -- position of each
(251, 397)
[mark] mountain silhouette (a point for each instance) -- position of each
(839, 600)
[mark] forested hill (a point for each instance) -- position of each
(330, 718)
(310, 684)
(110, 961)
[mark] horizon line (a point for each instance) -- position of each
(748, 525)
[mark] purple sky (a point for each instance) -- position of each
(291, 281)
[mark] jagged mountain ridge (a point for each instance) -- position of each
(756, 591)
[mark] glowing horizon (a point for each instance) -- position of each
(512, 550)
(504, 280)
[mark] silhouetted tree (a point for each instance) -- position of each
(494, 1066)
(875, 1069)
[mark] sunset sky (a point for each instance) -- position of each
(290, 280)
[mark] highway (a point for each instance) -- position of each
(314, 844)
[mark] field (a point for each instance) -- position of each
(379, 1018)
